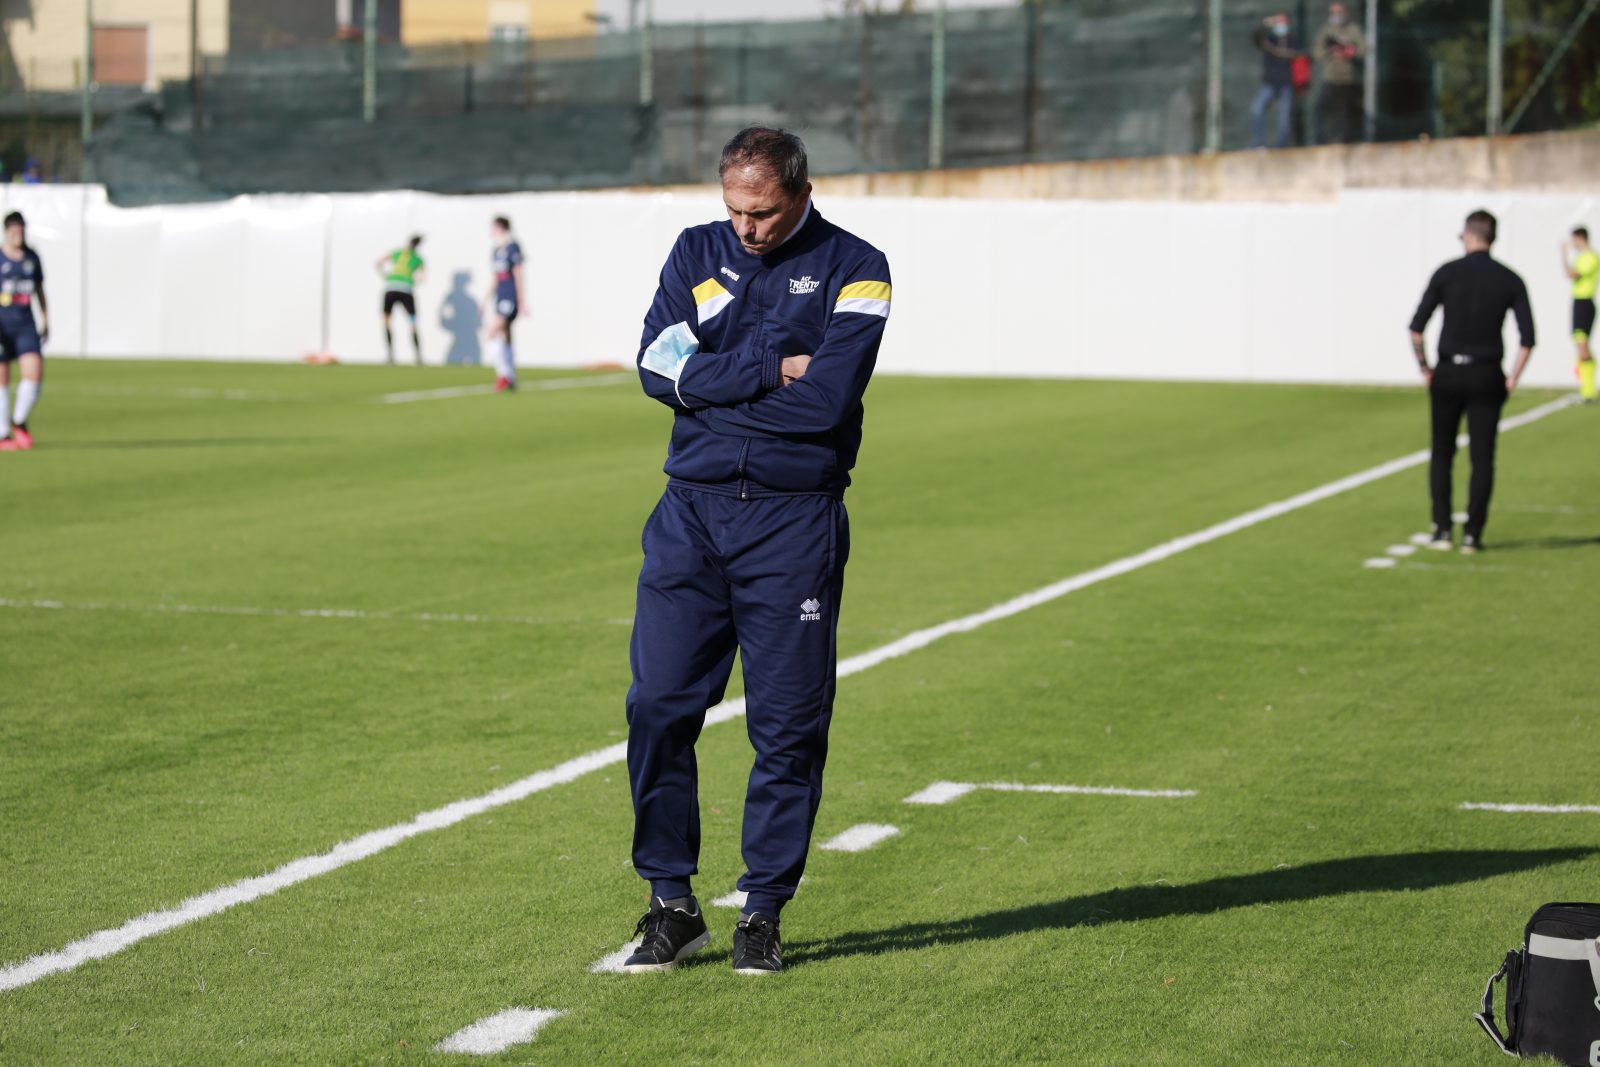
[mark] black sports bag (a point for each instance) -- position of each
(1552, 988)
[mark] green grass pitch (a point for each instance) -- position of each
(171, 720)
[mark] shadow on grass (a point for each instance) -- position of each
(1361, 874)
(184, 442)
(1546, 542)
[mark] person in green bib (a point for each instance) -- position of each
(402, 272)
(1583, 267)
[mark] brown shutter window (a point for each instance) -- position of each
(121, 55)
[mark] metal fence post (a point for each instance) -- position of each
(1030, 76)
(1214, 77)
(369, 61)
(647, 59)
(936, 93)
(864, 102)
(1369, 87)
(1497, 49)
(86, 119)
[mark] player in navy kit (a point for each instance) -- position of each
(21, 338)
(504, 303)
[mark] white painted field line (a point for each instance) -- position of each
(179, 394)
(436, 394)
(860, 838)
(107, 942)
(295, 613)
(1402, 550)
(498, 1032)
(735, 899)
(1379, 563)
(537, 384)
(1537, 809)
(945, 792)
(612, 963)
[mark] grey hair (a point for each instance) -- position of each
(779, 152)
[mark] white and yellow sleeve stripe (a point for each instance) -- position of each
(710, 298)
(864, 298)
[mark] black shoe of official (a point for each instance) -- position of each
(1441, 541)
(668, 932)
(1471, 544)
(756, 949)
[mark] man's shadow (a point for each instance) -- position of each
(1547, 542)
(1362, 874)
(461, 318)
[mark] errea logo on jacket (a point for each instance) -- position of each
(811, 610)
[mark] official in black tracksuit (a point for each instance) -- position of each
(1476, 292)
(761, 341)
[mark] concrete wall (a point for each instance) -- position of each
(1545, 162)
(45, 38)
(1309, 292)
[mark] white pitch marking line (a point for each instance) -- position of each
(945, 792)
(538, 384)
(735, 899)
(107, 942)
(1378, 563)
(498, 1032)
(860, 838)
(1460, 516)
(940, 793)
(295, 613)
(180, 394)
(1402, 550)
(1537, 809)
(1421, 538)
(612, 963)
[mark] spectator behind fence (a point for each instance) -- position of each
(1278, 52)
(1340, 46)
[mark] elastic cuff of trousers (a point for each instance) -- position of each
(771, 371)
(771, 907)
(670, 890)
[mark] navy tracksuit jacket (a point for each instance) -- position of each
(747, 547)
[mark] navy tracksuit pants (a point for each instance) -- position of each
(762, 577)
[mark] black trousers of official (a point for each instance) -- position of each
(1339, 114)
(1478, 391)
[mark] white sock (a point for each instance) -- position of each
(510, 354)
(5, 412)
(27, 396)
(497, 357)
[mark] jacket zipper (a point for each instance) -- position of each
(744, 450)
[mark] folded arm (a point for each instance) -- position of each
(672, 367)
(836, 377)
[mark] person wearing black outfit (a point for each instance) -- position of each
(1476, 292)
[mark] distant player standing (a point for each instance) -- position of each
(402, 272)
(505, 300)
(1583, 267)
(1477, 292)
(21, 338)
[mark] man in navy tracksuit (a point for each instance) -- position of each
(761, 339)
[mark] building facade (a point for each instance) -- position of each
(449, 21)
(136, 42)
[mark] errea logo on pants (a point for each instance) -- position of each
(811, 611)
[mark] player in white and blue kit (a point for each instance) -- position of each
(21, 336)
(505, 300)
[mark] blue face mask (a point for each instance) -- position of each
(1280, 30)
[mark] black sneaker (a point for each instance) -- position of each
(1441, 541)
(669, 931)
(756, 949)
(1471, 544)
